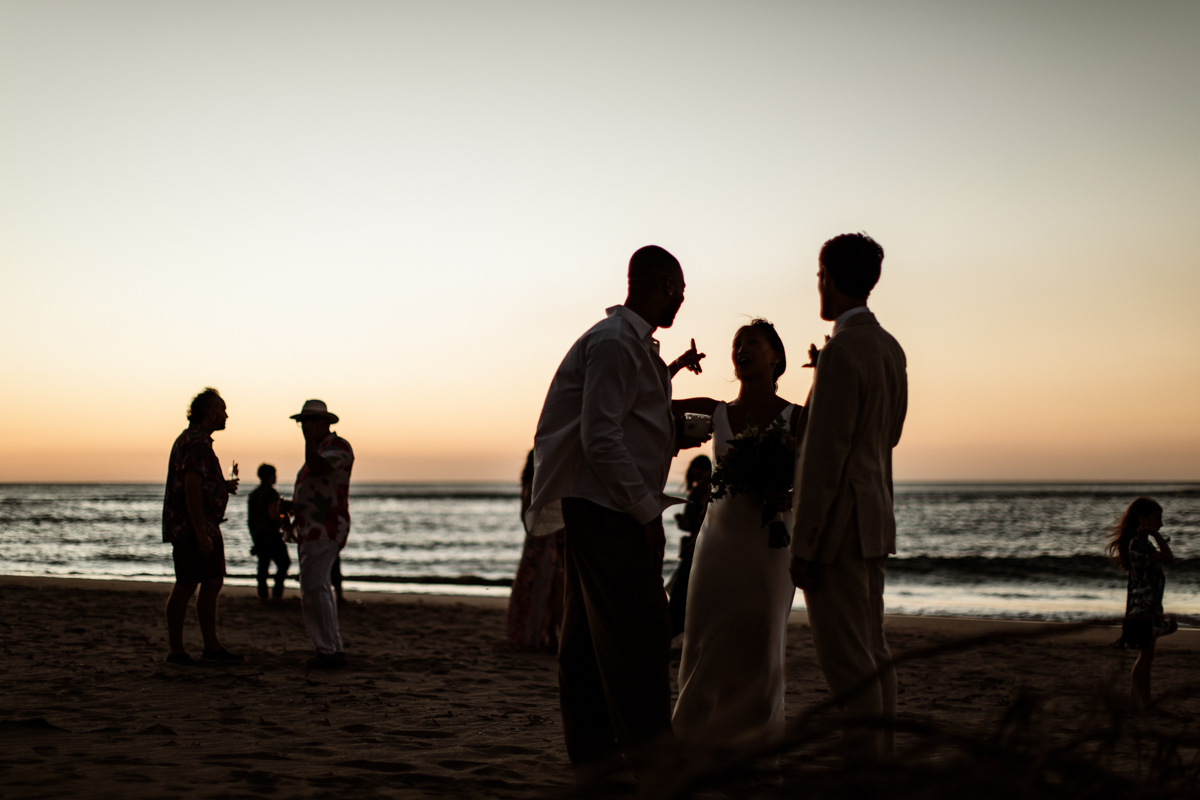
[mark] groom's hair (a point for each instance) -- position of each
(651, 264)
(853, 261)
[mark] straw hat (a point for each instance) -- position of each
(315, 408)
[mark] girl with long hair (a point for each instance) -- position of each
(1130, 548)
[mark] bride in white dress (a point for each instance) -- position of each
(731, 676)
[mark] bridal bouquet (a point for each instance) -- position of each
(760, 463)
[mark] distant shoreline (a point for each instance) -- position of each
(973, 483)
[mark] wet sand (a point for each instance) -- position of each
(434, 704)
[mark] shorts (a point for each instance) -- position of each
(193, 566)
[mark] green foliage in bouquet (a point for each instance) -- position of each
(762, 464)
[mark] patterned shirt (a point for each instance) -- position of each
(193, 452)
(1144, 595)
(322, 502)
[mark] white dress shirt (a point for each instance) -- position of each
(845, 315)
(606, 433)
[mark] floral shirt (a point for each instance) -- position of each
(322, 502)
(193, 452)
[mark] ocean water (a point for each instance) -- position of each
(1030, 551)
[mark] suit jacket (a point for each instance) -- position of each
(856, 412)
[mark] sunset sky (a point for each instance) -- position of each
(411, 210)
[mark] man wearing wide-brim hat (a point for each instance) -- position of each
(321, 505)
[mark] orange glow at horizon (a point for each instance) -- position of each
(403, 211)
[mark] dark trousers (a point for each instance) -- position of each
(614, 653)
(272, 551)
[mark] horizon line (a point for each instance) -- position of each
(461, 482)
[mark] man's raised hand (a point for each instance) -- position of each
(689, 360)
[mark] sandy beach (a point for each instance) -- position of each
(434, 704)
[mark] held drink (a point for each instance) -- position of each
(697, 426)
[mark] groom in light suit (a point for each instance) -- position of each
(844, 526)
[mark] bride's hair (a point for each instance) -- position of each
(768, 330)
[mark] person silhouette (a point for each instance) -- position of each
(732, 677)
(689, 521)
(1130, 548)
(536, 603)
(264, 520)
(321, 504)
(602, 452)
(193, 508)
(845, 525)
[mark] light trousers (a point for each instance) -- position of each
(845, 612)
(316, 595)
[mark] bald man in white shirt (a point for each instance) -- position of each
(604, 444)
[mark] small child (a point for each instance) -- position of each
(265, 520)
(1129, 548)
